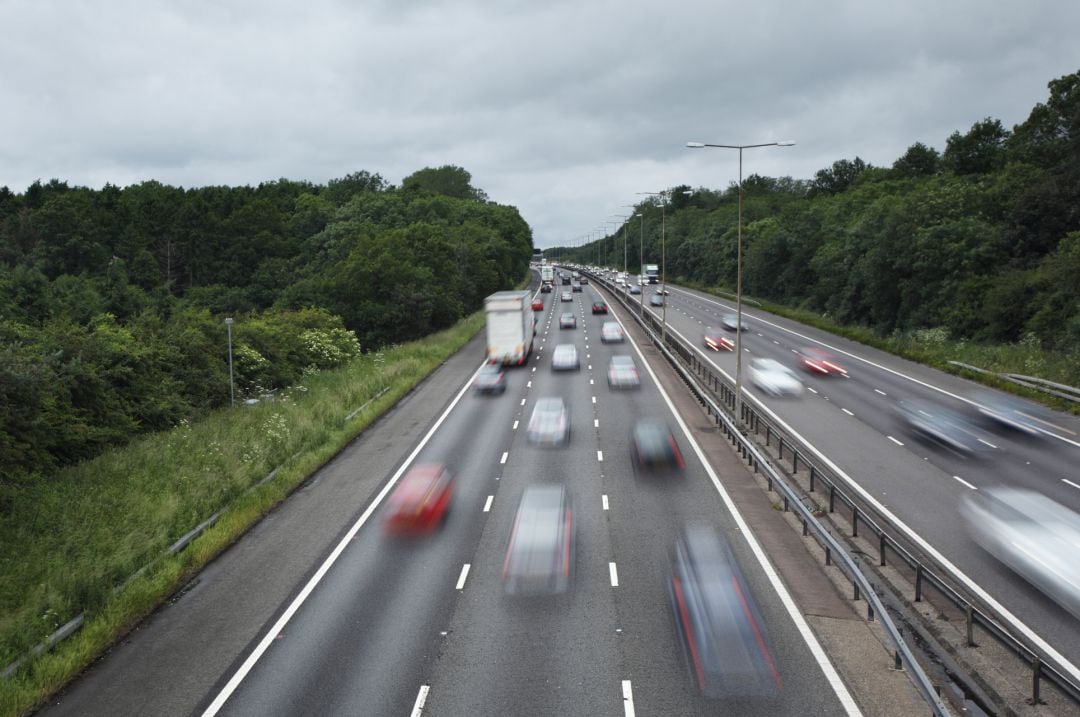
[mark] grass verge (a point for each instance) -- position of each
(70, 542)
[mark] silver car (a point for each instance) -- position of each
(611, 332)
(549, 424)
(565, 358)
(622, 373)
(540, 555)
(774, 378)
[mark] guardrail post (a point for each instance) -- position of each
(781, 449)
(786, 507)
(881, 548)
(869, 611)
(969, 617)
(918, 582)
(857, 594)
(768, 434)
(898, 664)
(795, 461)
(811, 479)
(854, 521)
(828, 555)
(1036, 675)
(805, 528)
(832, 499)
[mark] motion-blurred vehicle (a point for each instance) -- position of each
(538, 305)
(731, 322)
(622, 373)
(576, 286)
(567, 321)
(1005, 412)
(584, 280)
(420, 501)
(717, 620)
(717, 340)
(565, 358)
(662, 291)
(540, 555)
(566, 296)
(549, 424)
(511, 326)
(774, 378)
(656, 300)
(820, 362)
(611, 333)
(654, 447)
(1033, 535)
(635, 289)
(490, 379)
(599, 307)
(546, 288)
(939, 425)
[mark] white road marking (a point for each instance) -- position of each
(847, 412)
(421, 699)
(614, 575)
(596, 422)
(987, 443)
(590, 367)
(600, 456)
(461, 578)
(528, 385)
(487, 503)
(594, 399)
(878, 390)
(1066, 480)
(965, 482)
(894, 440)
(811, 390)
(603, 499)
(504, 456)
(590, 382)
(515, 425)
(279, 626)
(523, 402)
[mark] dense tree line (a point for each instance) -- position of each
(979, 240)
(112, 301)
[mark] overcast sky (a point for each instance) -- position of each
(565, 110)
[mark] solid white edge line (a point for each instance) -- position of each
(786, 600)
(604, 501)
(487, 503)
(421, 700)
(627, 698)
(306, 591)
(1066, 480)
(847, 412)
(461, 578)
(909, 533)
(958, 478)
(614, 573)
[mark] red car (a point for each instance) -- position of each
(718, 341)
(538, 305)
(599, 307)
(419, 503)
(820, 362)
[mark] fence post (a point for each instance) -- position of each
(1036, 675)
(832, 499)
(811, 479)
(918, 582)
(881, 548)
(795, 461)
(969, 615)
(781, 448)
(854, 521)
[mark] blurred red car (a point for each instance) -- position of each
(820, 362)
(599, 307)
(538, 305)
(420, 502)
(718, 341)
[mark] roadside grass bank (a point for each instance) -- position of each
(933, 347)
(94, 539)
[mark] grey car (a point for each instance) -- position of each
(565, 358)
(540, 554)
(549, 424)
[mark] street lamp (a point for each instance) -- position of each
(232, 393)
(641, 261)
(738, 270)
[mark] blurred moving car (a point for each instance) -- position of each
(576, 286)
(662, 291)
(566, 296)
(731, 321)
(549, 424)
(821, 362)
(622, 373)
(1033, 535)
(599, 307)
(584, 280)
(546, 288)
(611, 332)
(939, 425)
(654, 447)
(774, 378)
(717, 340)
(635, 289)
(538, 305)
(565, 358)
(1005, 412)
(540, 555)
(567, 321)
(490, 379)
(420, 501)
(656, 300)
(717, 620)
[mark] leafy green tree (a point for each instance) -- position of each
(979, 151)
(837, 178)
(448, 180)
(918, 161)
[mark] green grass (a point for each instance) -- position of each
(69, 542)
(934, 348)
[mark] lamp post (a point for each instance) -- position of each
(232, 393)
(663, 263)
(623, 217)
(738, 270)
(641, 260)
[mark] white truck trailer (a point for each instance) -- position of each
(650, 273)
(510, 327)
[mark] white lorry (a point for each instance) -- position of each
(547, 274)
(650, 273)
(510, 327)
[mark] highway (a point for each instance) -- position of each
(381, 625)
(852, 422)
